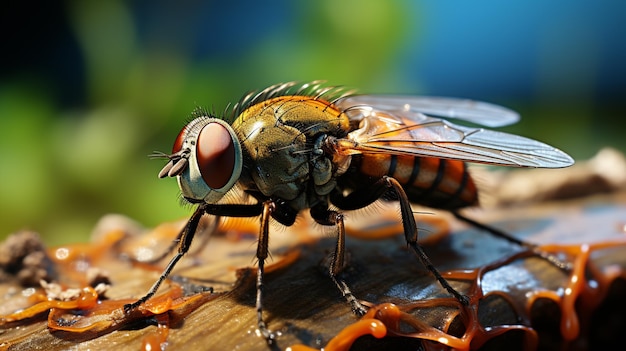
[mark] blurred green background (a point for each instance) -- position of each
(88, 89)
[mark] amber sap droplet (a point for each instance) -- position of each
(216, 155)
(344, 340)
(86, 299)
(154, 340)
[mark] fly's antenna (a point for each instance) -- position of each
(155, 155)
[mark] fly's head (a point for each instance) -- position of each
(206, 159)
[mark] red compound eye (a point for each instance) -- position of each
(216, 155)
(178, 143)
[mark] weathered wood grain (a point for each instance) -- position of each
(303, 305)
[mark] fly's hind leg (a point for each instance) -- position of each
(565, 266)
(410, 234)
(365, 196)
(324, 216)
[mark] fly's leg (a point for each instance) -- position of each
(365, 196)
(324, 216)
(261, 254)
(565, 266)
(186, 237)
(410, 234)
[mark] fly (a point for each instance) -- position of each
(292, 147)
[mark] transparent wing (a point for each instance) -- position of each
(424, 136)
(411, 107)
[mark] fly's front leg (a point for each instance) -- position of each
(186, 237)
(324, 216)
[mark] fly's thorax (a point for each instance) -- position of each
(309, 115)
(279, 138)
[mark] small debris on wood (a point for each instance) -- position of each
(23, 257)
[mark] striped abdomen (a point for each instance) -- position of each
(429, 181)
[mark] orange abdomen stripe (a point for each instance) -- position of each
(427, 180)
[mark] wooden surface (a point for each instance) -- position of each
(517, 300)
